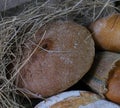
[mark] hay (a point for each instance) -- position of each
(16, 30)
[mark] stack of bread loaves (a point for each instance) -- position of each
(104, 76)
(61, 53)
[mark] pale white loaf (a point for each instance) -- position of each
(76, 99)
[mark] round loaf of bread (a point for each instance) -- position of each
(60, 54)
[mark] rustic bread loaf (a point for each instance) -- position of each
(62, 53)
(76, 99)
(104, 76)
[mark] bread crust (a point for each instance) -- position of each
(65, 54)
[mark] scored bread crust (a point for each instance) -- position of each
(102, 78)
(76, 99)
(69, 99)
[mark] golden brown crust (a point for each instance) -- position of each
(64, 55)
(98, 75)
(113, 92)
(106, 32)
